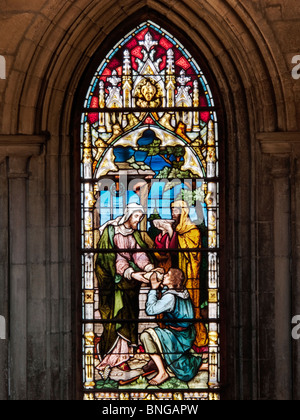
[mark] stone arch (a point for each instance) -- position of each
(248, 69)
(240, 41)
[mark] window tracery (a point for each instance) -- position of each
(150, 224)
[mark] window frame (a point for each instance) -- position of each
(105, 47)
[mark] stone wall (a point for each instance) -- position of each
(248, 47)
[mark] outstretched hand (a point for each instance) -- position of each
(140, 277)
(155, 283)
(158, 270)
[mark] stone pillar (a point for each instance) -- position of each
(16, 151)
(296, 266)
(3, 279)
(282, 279)
(284, 147)
(18, 275)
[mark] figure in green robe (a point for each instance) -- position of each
(120, 269)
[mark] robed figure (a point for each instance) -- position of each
(169, 347)
(120, 276)
(184, 234)
(189, 238)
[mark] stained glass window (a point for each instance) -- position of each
(150, 224)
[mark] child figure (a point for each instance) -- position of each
(169, 348)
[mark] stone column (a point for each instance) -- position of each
(285, 148)
(18, 151)
(282, 276)
(3, 279)
(18, 275)
(296, 266)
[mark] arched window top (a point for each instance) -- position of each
(150, 210)
(147, 71)
(149, 52)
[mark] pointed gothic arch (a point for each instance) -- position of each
(50, 63)
(148, 118)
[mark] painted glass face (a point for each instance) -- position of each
(150, 224)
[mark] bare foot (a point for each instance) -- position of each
(159, 379)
